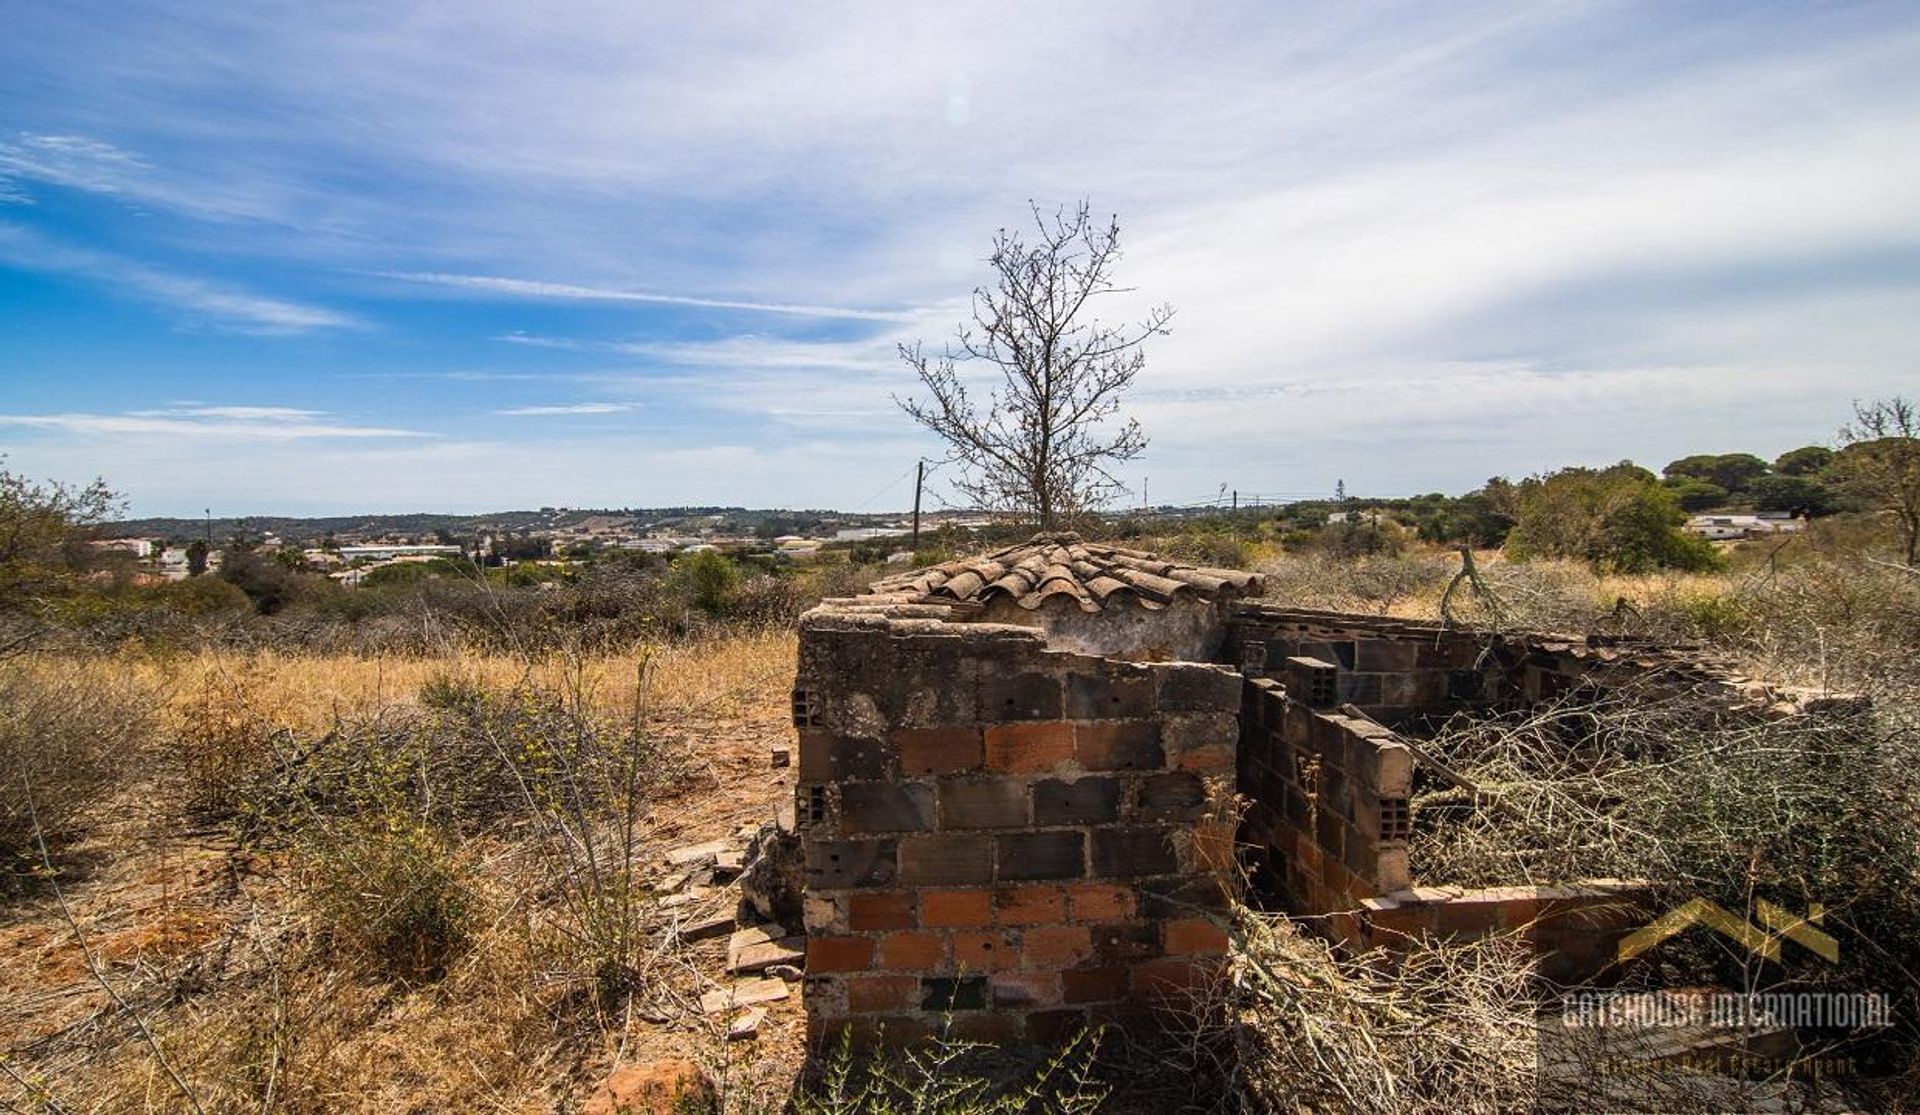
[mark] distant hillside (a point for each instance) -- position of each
(736, 520)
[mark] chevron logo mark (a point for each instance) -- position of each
(1780, 925)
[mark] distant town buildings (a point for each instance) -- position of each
(1763, 524)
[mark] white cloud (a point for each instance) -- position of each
(96, 166)
(1417, 243)
(225, 306)
(567, 408)
(529, 288)
(204, 424)
(269, 414)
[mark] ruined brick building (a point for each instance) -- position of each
(1030, 782)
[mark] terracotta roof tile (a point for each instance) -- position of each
(1092, 574)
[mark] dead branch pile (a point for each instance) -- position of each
(1450, 1028)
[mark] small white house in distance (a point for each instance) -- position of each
(385, 553)
(141, 548)
(866, 534)
(1722, 528)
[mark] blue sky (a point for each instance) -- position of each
(311, 258)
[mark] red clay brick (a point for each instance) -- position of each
(1095, 903)
(887, 1031)
(913, 952)
(990, 1027)
(1466, 916)
(1392, 925)
(1174, 978)
(1214, 756)
(1193, 937)
(956, 909)
(868, 912)
(1093, 985)
(1120, 745)
(1057, 946)
(925, 751)
(1029, 748)
(1136, 940)
(866, 994)
(984, 952)
(1054, 1027)
(839, 954)
(1032, 906)
(1024, 989)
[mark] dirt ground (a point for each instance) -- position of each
(175, 927)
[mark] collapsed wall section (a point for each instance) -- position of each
(1398, 669)
(1326, 817)
(1015, 839)
(1326, 824)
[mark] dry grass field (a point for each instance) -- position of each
(272, 881)
(172, 936)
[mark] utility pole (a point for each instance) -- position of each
(1143, 495)
(1236, 499)
(919, 477)
(209, 526)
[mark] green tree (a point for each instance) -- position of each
(1619, 518)
(1879, 465)
(1802, 495)
(1807, 460)
(44, 529)
(1696, 495)
(197, 551)
(1732, 471)
(709, 578)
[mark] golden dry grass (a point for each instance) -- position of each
(214, 942)
(714, 676)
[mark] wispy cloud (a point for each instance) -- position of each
(868, 354)
(206, 423)
(567, 408)
(1463, 222)
(69, 160)
(216, 303)
(243, 413)
(531, 288)
(35, 163)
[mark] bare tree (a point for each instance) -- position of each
(1049, 436)
(1879, 464)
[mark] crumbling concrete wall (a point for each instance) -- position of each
(1187, 629)
(1326, 815)
(1397, 669)
(1024, 827)
(1023, 839)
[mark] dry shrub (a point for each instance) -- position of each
(390, 892)
(1813, 809)
(955, 1077)
(1448, 1028)
(1401, 584)
(224, 736)
(377, 803)
(68, 732)
(1666, 790)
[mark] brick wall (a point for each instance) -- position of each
(1398, 669)
(1326, 819)
(1023, 839)
(1574, 929)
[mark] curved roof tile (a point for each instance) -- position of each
(1092, 574)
